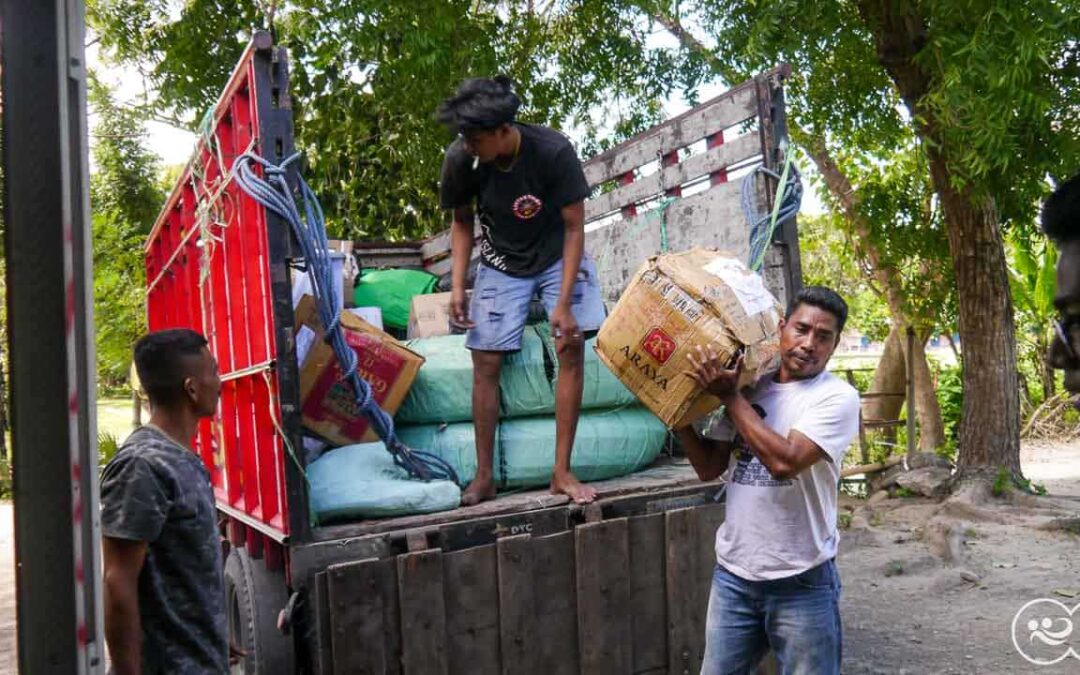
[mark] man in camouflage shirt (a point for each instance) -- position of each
(164, 590)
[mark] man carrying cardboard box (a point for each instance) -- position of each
(529, 188)
(776, 583)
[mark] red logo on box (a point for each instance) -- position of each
(659, 345)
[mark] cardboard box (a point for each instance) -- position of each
(674, 303)
(429, 316)
(327, 402)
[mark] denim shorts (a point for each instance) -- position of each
(500, 304)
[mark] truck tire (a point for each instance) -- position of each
(254, 596)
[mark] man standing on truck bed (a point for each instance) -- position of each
(164, 590)
(776, 583)
(528, 187)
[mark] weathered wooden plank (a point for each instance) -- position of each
(648, 606)
(723, 156)
(391, 616)
(423, 612)
(517, 604)
(710, 218)
(556, 634)
(686, 634)
(717, 114)
(472, 611)
(356, 617)
(603, 596)
(709, 519)
(324, 633)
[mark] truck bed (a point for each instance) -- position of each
(664, 474)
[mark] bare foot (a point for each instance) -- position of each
(480, 490)
(565, 483)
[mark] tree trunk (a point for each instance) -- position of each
(1047, 376)
(888, 379)
(927, 408)
(990, 425)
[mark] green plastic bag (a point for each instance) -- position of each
(609, 443)
(393, 291)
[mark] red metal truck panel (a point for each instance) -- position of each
(208, 269)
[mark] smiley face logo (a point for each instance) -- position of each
(1042, 632)
(527, 206)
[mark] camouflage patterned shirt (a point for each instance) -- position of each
(159, 492)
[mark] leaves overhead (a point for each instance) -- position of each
(367, 77)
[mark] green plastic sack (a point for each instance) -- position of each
(602, 389)
(393, 291)
(608, 444)
(362, 481)
(442, 391)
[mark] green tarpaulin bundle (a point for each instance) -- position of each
(442, 391)
(362, 481)
(608, 443)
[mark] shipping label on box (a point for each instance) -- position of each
(327, 401)
(672, 305)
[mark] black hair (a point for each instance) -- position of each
(481, 104)
(823, 298)
(1061, 211)
(159, 361)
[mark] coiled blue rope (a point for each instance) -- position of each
(763, 225)
(310, 230)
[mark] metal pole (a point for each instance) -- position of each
(910, 392)
(49, 315)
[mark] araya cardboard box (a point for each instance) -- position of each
(429, 316)
(328, 402)
(675, 303)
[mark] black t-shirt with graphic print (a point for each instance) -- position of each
(521, 209)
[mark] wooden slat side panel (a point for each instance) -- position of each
(686, 635)
(517, 605)
(720, 157)
(711, 218)
(472, 611)
(648, 606)
(556, 634)
(423, 612)
(603, 597)
(718, 114)
(391, 616)
(356, 617)
(322, 653)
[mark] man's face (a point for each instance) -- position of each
(807, 340)
(1065, 353)
(203, 386)
(486, 145)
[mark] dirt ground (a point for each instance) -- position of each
(934, 588)
(929, 587)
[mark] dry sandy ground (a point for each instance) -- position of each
(927, 588)
(919, 600)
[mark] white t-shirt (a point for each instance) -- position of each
(778, 528)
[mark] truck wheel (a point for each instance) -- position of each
(254, 596)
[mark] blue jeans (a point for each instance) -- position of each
(797, 617)
(500, 304)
